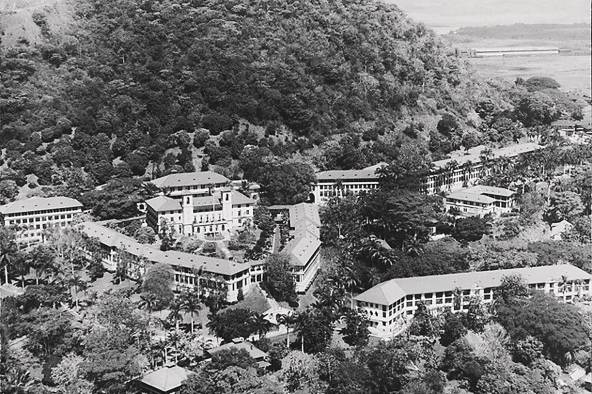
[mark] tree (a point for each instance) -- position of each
(535, 84)
(470, 229)
(453, 329)
(568, 204)
(190, 301)
(286, 183)
(8, 249)
(145, 235)
(423, 323)
(527, 350)
(278, 279)
(233, 357)
(512, 288)
(67, 376)
(536, 109)
(300, 371)
(233, 323)
(356, 330)
(447, 125)
(315, 329)
(157, 285)
(558, 326)
(42, 260)
(8, 191)
(232, 380)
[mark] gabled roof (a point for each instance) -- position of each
(496, 191)
(114, 239)
(239, 198)
(359, 175)
(470, 196)
(390, 291)
(203, 178)
(303, 212)
(302, 249)
(253, 351)
(163, 203)
(39, 204)
(166, 379)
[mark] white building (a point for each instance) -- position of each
(118, 250)
(305, 245)
(465, 168)
(480, 200)
(390, 305)
(339, 183)
(200, 204)
(32, 217)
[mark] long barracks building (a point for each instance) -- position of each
(33, 216)
(390, 305)
(462, 169)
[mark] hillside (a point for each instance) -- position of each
(340, 84)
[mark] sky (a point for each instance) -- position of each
(452, 14)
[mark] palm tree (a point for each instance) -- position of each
(190, 301)
(175, 312)
(261, 324)
(8, 248)
(287, 320)
(148, 301)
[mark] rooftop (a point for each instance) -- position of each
(163, 203)
(253, 351)
(115, 239)
(166, 379)
(368, 173)
(493, 190)
(39, 204)
(303, 212)
(473, 154)
(390, 291)
(239, 198)
(203, 178)
(302, 248)
(467, 195)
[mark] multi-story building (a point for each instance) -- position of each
(480, 200)
(200, 204)
(466, 168)
(118, 251)
(305, 245)
(339, 183)
(390, 305)
(32, 217)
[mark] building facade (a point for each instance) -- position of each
(480, 201)
(390, 305)
(120, 252)
(33, 217)
(199, 204)
(465, 169)
(339, 183)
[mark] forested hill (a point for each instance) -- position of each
(133, 78)
(315, 66)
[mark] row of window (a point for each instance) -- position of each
(44, 212)
(346, 186)
(41, 219)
